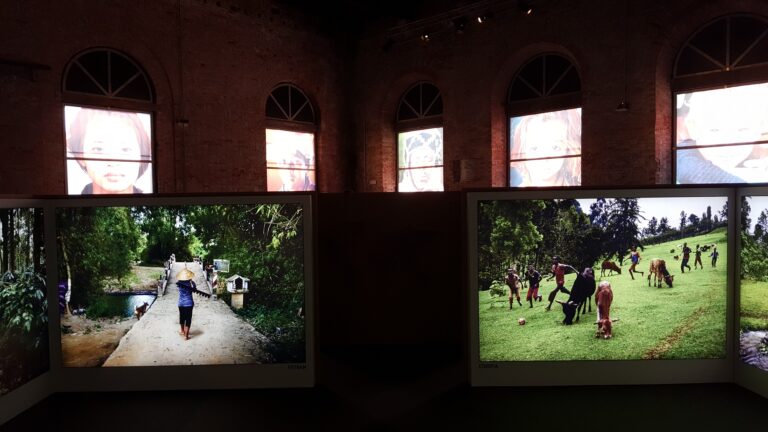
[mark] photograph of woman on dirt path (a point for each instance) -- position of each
(114, 260)
(657, 312)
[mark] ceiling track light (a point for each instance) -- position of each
(424, 37)
(525, 7)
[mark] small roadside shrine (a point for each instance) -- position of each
(237, 285)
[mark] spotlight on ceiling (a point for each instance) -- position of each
(483, 18)
(525, 7)
(623, 106)
(460, 24)
(424, 37)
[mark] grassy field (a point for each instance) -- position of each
(754, 305)
(687, 321)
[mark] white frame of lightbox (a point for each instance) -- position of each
(595, 372)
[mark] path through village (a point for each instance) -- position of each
(217, 335)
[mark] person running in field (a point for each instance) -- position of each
(634, 256)
(534, 278)
(714, 256)
(513, 282)
(558, 273)
(686, 257)
(698, 262)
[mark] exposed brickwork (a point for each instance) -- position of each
(213, 63)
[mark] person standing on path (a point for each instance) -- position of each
(186, 286)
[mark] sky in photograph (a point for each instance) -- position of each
(756, 205)
(670, 207)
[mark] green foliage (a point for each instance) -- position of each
(24, 309)
(97, 244)
(284, 329)
(165, 232)
(105, 306)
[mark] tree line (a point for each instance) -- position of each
(516, 233)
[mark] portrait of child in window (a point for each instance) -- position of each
(420, 160)
(721, 135)
(108, 152)
(290, 161)
(545, 149)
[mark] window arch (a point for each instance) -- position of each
(720, 86)
(419, 126)
(108, 109)
(544, 115)
(291, 126)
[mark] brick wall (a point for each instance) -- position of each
(211, 63)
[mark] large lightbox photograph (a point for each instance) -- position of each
(142, 284)
(545, 149)
(753, 309)
(721, 135)
(610, 278)
(24, 347)
(108, 151)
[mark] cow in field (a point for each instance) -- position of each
(705, 248)
(581, 295)
(611, 267)
(603, 299)
(659, 271)
(671, 251)
(676, 257)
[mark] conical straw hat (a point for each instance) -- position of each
(185, 275)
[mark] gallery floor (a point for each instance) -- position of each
(372, 389)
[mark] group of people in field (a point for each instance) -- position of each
(534, 278)
(558, 270)
(697, 263)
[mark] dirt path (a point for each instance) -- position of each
(217, 335)
(89, 342)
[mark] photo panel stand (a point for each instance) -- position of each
(519, 343)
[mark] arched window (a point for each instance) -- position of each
(544, 113)
(291, 125)
(420, 139)
(720, 84)
(108, 106)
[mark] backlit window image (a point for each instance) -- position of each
(290, 161)
(722, 134)
(420, 160)
(545, 149)
(108, 152)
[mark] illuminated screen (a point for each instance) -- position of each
(146, 286)
(420, 160)
(545, 149)
(290, 161)
(23, 305)
(721, 135)
(646, 261)
(108, 152)
(753, 341)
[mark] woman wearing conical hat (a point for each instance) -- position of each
(186, 286)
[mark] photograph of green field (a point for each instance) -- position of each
(684, 239)
(753, 334)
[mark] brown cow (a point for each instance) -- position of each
(611, 267)
(604, 298)
(659, 271)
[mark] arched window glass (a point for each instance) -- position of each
(108, 124)
(720, 81)
(545, 123)
(420, 139)
(290, 140)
